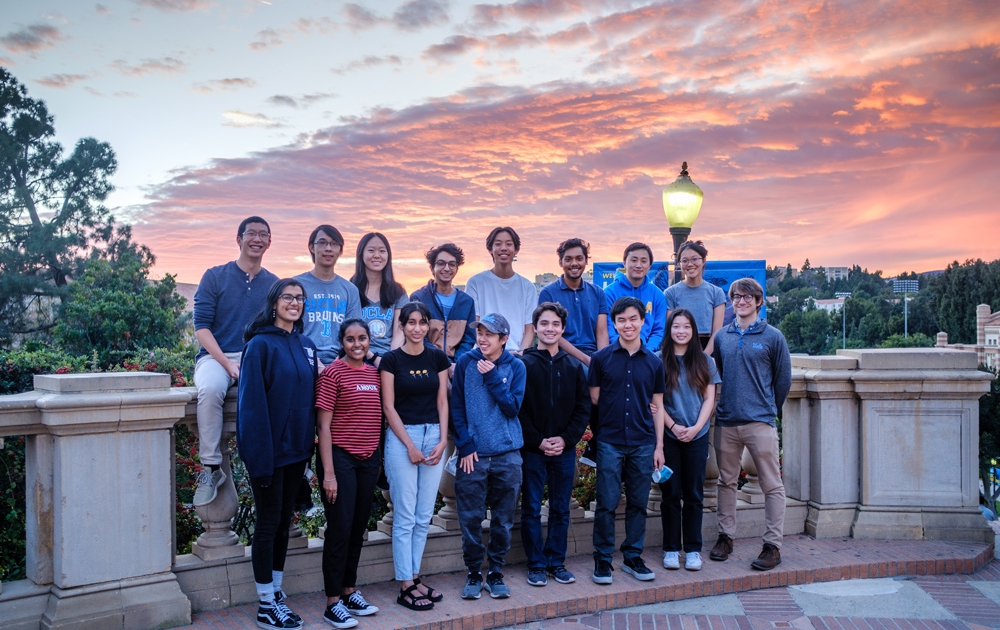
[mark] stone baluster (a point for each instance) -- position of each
(219, 541)
(385, 525)
(711, 470)
(447, 516)
(750, 492)
(576, 512)
(655, 499)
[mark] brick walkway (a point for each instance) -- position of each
(945, 571)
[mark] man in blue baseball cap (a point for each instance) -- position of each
(486, 396)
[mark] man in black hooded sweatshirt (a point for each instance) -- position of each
(553, 416)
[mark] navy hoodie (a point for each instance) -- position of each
(450, 333)
(556, 399)
(276, 413)
(484, 407)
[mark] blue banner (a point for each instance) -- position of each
(721, 273)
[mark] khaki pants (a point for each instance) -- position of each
(761, 440)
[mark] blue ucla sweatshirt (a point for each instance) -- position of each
(484, 407)
(655, 324)
(276, 413)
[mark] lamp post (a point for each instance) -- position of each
(843, 313)
(905, 287)
(681, 203)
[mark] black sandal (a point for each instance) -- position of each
(432, 595)
(410, 597)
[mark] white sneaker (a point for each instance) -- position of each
(671, 560)
(692, 561)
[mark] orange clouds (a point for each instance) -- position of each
(809, 135)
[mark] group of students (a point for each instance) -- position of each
(514, 376)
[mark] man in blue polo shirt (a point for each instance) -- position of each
(587, 308)
(625, 377)
(228, 298)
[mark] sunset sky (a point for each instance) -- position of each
(846, 132)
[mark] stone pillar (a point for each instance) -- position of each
(219, 541)
(821, 443)
(111, 514)
(919, 437)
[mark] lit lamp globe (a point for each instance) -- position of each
(681, 203)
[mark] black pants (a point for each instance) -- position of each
(274, 506)
(347, 518)
(688, 461)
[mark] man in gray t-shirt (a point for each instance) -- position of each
(330, 299)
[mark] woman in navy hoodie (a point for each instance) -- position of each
(275, 431)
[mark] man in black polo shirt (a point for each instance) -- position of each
(625, 377)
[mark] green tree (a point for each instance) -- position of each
(956, 293)
(916, 340)
(51, 215)
(114, 309)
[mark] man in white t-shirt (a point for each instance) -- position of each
(500, 290)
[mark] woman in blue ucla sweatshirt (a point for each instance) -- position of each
(275, 433)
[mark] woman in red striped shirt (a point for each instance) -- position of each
(349, 416)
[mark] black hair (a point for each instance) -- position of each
(344, 325)
(451, 248)
(696, 246)
(634, 246)
(253, 219)
(569, 244)
(330, 231)
(409, 307)
(555, 307)
(267, 315)
(390, 291)
(493, 236)
(695, 360)
(623, 303)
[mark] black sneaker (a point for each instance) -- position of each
(495, 586)
(473, 584)
(638, 569)
(358, 605)
(602, 571)
(271, 617)
(561, 574)
(337, 616)
(279, 602)
(536, 577)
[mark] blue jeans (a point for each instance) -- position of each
(413, 489)
(634, 466)
(688, 461)
(556, 472)
(496, 481)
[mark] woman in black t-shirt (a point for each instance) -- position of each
(415, 402)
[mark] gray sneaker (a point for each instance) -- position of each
(208, 486)
(496, 587)
(473, 584)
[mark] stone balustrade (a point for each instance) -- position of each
(876, 444)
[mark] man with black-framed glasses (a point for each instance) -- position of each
(756, 370)
(228, 298)
(451, 310)
(330, 299)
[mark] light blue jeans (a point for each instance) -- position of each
(413, 490)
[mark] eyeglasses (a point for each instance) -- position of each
(742, 298)
(288, 298)
(323, 244)
(447, 264)
(250, 235)
(691, 261)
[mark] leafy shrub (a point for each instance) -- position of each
(12, 506)
(18, 367)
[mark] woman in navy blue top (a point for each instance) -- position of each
(275, 433)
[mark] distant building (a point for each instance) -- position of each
(837, 273)
(987, 346)
(830, 306)
(543, 280)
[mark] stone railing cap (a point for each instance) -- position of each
(806, 362)
(86, 383)
(911, 358)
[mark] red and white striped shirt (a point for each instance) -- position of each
(353, 395)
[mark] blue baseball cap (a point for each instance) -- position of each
(493, 322)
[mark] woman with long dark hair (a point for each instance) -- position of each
(706, 301)
(381, 296)
(415, 402)
(689, 399)
(275, 429)
(349, 419)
